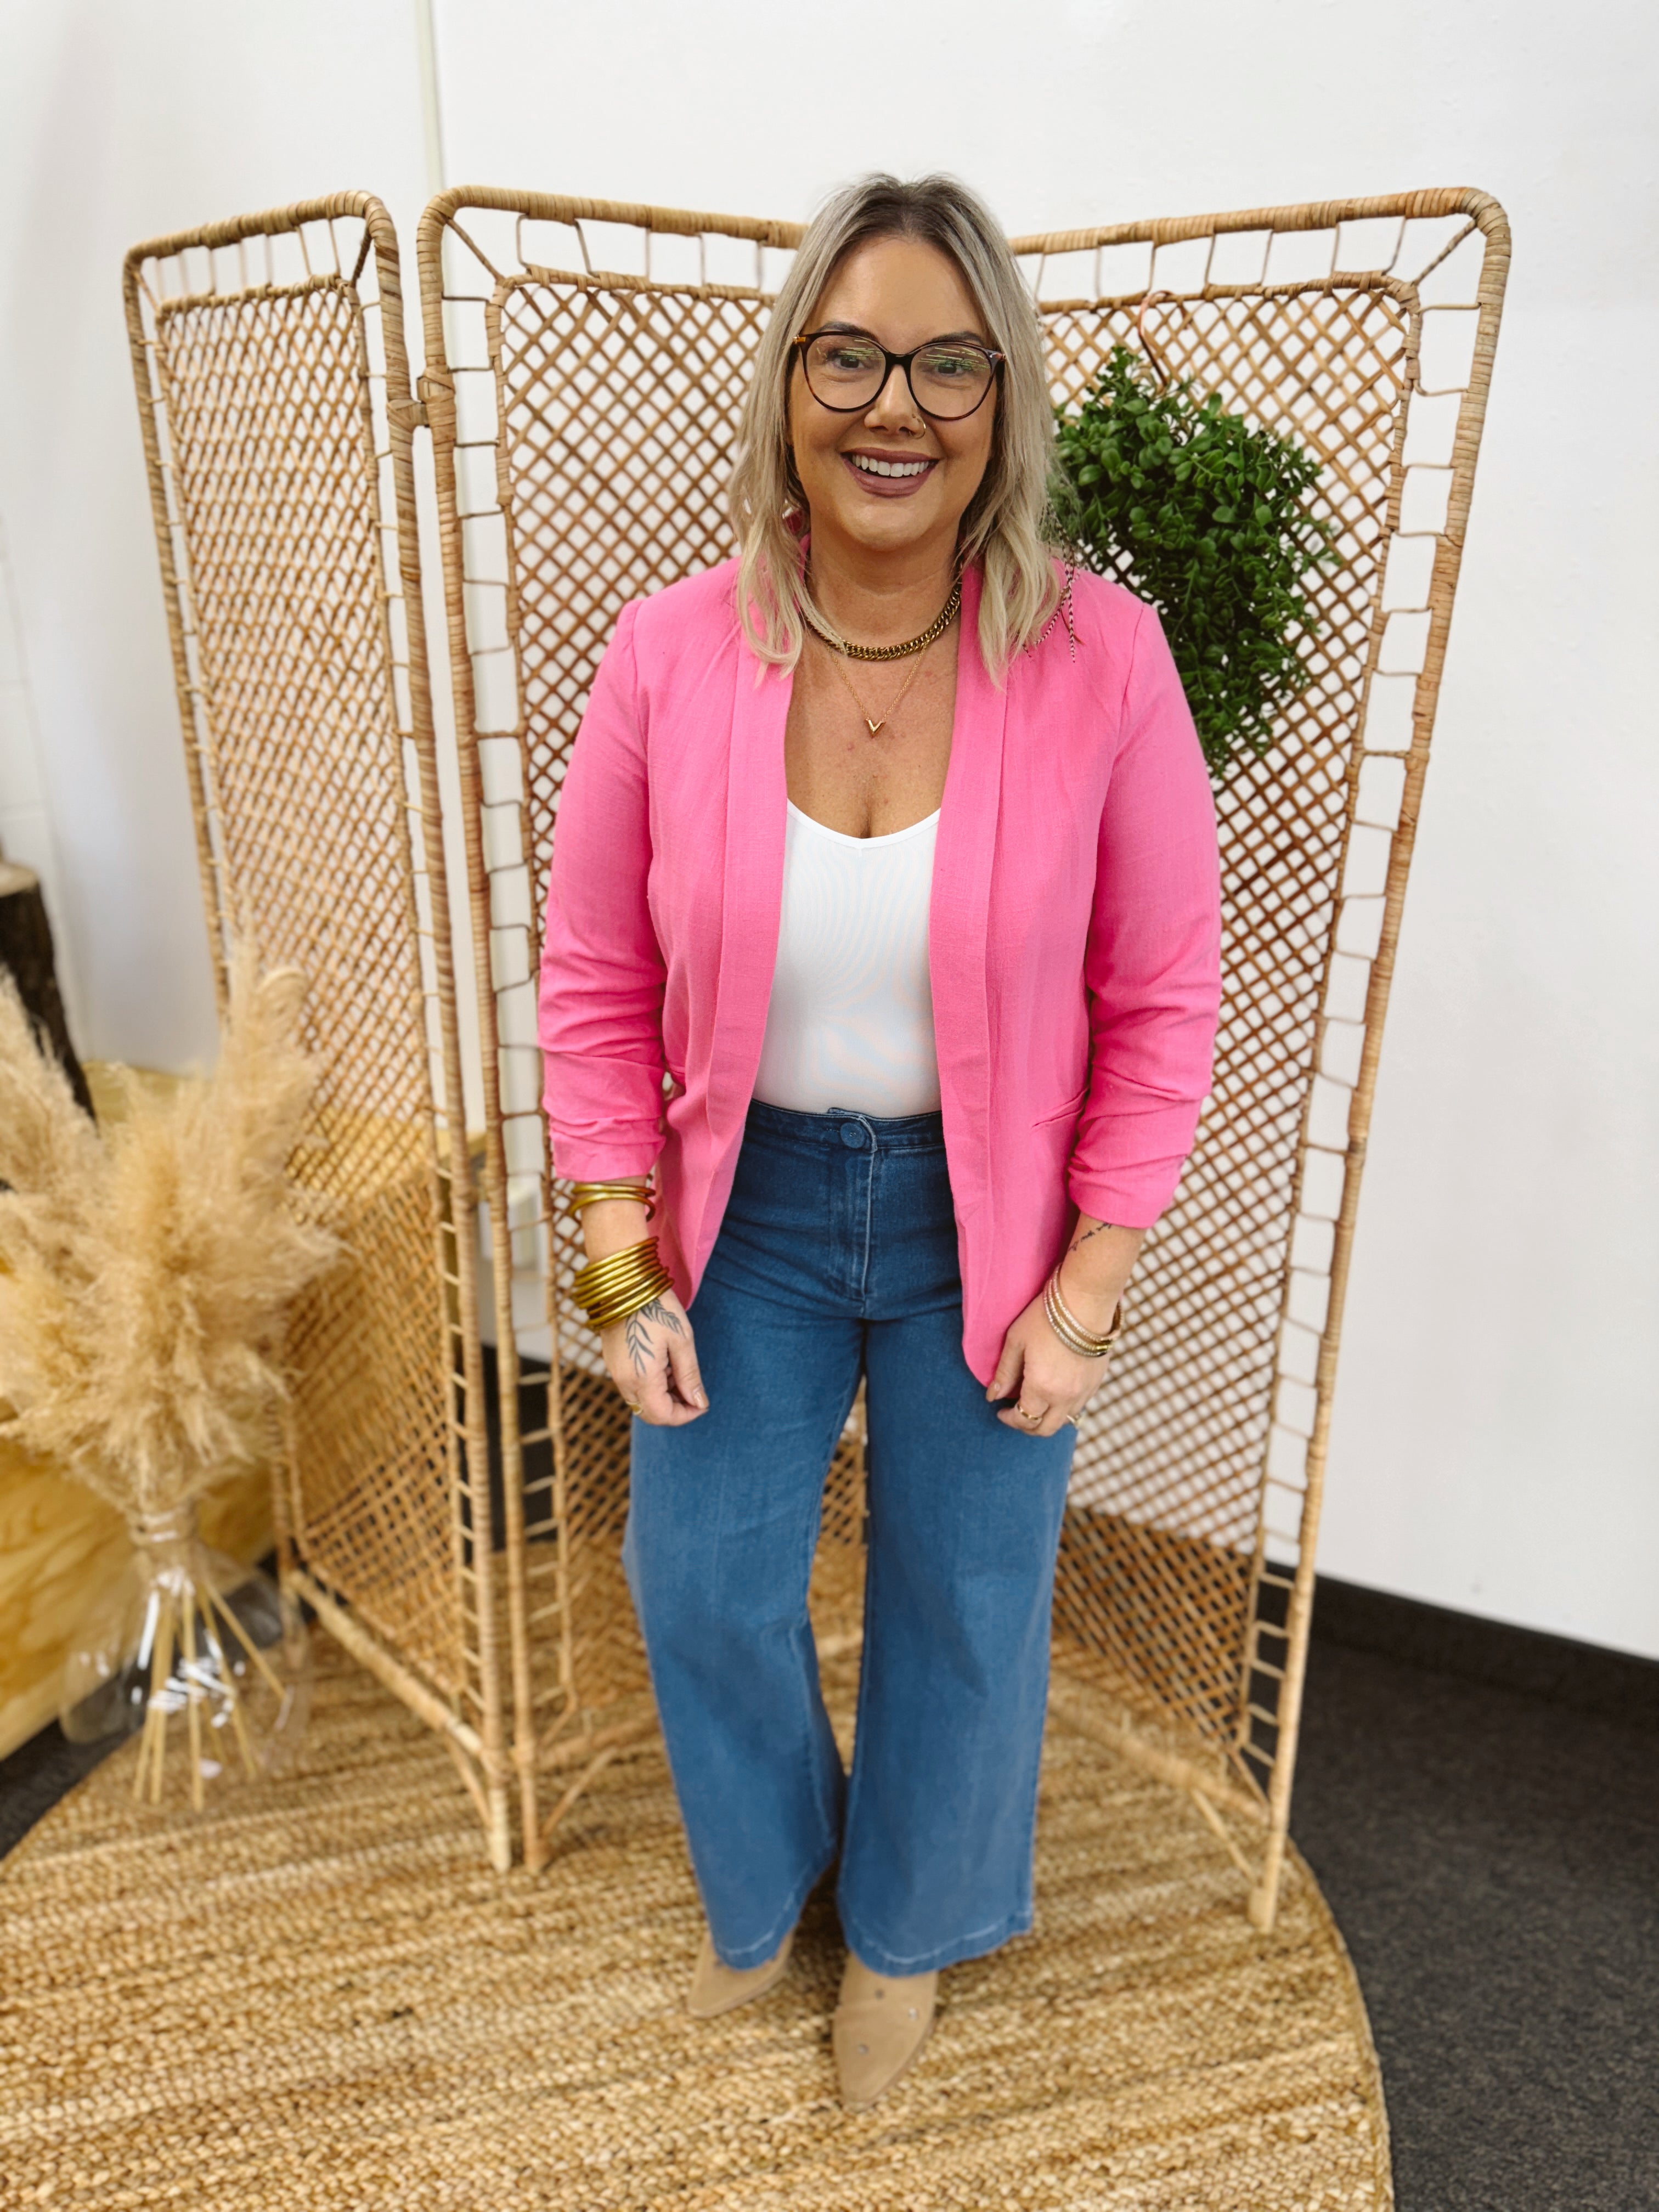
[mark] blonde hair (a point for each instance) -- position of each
(1007, 526)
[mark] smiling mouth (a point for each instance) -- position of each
(875, 465)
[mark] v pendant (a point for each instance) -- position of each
(876, 723)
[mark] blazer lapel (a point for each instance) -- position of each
(959, 910)
(752, 890)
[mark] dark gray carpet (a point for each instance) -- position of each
(1491, 1856)
(34, 1778)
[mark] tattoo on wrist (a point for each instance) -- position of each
(1088, 1233)
(637, 1337)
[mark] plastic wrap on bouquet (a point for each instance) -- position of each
(205, 1659)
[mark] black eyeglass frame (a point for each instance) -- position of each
(892, 361)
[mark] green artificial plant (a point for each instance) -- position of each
(1205, 515)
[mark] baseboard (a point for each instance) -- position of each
(1586, 1677)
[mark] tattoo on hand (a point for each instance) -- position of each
(637, 1338)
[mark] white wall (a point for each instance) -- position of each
(26, 830)
(1494, 1439)
(120, 119)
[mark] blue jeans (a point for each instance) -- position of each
(837, 1256)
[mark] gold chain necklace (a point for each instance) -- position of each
(875, 728)
(941, 622)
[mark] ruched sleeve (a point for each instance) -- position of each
(600, 999)
(1152, 966)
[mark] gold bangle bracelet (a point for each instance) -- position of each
(635, 1188)
(604, 1311)
(609, 1290)
(633, 1261)
(615, 1263)
(616, 1305)
(602, 1314)
(1071, 1331)
(1076, 1338)
(1112, 1334)
(1077, 1346)
(593, 1290)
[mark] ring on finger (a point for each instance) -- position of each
(1032, 1417)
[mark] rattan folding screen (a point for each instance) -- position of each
(273, 390)
(585, 366)
(584, 363)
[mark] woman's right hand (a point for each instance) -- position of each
(652, 1355)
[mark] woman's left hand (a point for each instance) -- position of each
(1041, 1375)
(1036, 1369)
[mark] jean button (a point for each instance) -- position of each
(851, 1135)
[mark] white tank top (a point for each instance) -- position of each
(850, 1021)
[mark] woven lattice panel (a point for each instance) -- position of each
(1195, 1489)
(1174, 1445)
(260, 349)
(594, 361)
(616, 409)
(580, 461)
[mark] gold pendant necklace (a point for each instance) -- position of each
(876, 727)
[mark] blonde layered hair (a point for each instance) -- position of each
(1006, 529)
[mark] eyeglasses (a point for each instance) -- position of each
(948, 379)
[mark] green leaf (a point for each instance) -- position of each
(1200, 512)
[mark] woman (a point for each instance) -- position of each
(897, 857)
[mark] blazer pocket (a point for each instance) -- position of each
(1068, 1112)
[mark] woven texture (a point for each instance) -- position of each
(588, 364)
(1163, 1557)
(273, 392)
(319, 1997)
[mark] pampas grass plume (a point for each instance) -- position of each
(146, 1274)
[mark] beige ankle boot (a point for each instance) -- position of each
(716, 1988)
(880, 2026)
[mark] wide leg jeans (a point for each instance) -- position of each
(837, 1257)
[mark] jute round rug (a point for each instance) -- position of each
(321, 1996)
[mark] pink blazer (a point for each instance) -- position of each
(1073, 930)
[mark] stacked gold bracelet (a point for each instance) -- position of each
(631, 1187)
(1070, 1330)
(609, 1290)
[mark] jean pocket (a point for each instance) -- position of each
(776, 1187)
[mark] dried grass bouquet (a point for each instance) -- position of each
(146, 1274)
